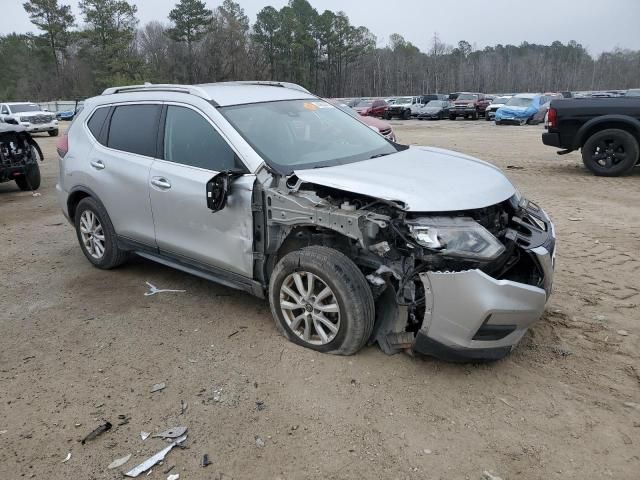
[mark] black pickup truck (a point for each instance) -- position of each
(607, 130)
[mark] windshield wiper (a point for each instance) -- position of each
(378, 155)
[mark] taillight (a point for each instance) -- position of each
(63, 145)
(552, 118)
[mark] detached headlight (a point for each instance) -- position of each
(456, 237)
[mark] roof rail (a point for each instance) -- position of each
(270, 83)
(160, 87)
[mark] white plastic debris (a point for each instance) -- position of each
(36, 194)
(157, 387)
(119, 462)
(151, 461)
(67, 458)
(144, 435)
(174, 476)
(153, 290)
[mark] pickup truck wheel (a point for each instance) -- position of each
(474, 116)
(321, 300)
(54, 133)
(452, 117)
(97, 236)
(610, 153)
(386, 116)
(406, 115)
(31, 179)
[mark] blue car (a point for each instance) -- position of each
(65, 115)
(519, 110)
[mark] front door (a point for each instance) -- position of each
(194, 152)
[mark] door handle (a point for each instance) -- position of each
(97, 164)
(161, 183)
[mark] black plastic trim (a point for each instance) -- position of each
(428, 346)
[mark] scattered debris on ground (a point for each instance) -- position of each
(144, 435)
(105, 427)
(154, 290)
(67, 458)
(174, 432)
(157, 387)
(118, 462)
(155, 459)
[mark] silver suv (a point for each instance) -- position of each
(354, 239)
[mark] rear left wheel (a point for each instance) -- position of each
(611, 152)
(97, 236)
(321, 300)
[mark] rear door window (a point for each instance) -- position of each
(134, 129)
(189, 139)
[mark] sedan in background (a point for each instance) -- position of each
(519, 110)
(372, 108)
(495, 104)
(435, 110)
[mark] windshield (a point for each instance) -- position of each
(349, 110)
(500, 100)
(364, 104)
(301, 134)
(24, 107)
(467, 96)
(403, 100)
(519, 102)
(435, 103)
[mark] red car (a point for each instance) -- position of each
(371, 108)
(385, 128)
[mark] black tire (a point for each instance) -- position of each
(610, 153)
(452, 117)
(349, 286)
(486, 117)
(54, 133)
(474, 116)
(113, 256)
(31, 179)
(406, 115)
(387, 116)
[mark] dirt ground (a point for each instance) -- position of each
(79, 346)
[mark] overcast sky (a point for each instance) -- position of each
(598, 24)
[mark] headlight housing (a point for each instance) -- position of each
(461, 237)
(471, 105)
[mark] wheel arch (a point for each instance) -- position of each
(620, 122)
(76, 195)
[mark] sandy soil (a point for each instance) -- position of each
(79, 346)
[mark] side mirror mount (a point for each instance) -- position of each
(218, 190)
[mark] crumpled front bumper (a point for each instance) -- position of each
(472, 316)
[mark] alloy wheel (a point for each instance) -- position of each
(92, 234)
(310, 308)
(609, 152)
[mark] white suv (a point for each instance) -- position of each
(354, 239)
(30, 116)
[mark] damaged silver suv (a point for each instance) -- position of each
(354, 239)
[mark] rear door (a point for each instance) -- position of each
(193, 152)
(119, 164)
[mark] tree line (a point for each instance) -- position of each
(71, 57)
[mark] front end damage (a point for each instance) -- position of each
(462, 285)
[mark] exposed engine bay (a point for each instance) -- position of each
(17, 150)
(395, 248)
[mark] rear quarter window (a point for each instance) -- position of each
(96, 122)
(134, 129)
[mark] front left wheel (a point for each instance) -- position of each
(97, 236)
(54, 133)
(321, 300)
